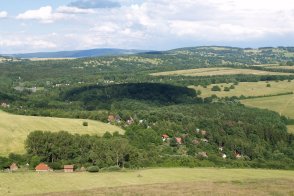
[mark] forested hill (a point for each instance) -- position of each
(79, 53)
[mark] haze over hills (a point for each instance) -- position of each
(79, 53)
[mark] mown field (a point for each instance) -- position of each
(168, 181)
(284, 104)
(15, 128)
(216, 71)
(248, 89)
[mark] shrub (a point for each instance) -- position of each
(226, 89)
(93, 169)
(111, 168)
(268, 85)
(232, 87)
(216, 88)
(85, 124)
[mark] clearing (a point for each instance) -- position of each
(15, 128)
(178, 181)
(248, 89)
(284, 104)
(216, 71)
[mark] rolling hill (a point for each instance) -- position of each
(15, 128)
(78, 53)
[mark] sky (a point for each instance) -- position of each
(56, 25)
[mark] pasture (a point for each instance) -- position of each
(163, 181)
(248, 89)
(15, 128)
(284, 104)
(217, 71)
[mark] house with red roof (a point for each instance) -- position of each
(164, 137)
(42, 167)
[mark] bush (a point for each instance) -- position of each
(111, 168)
(216, 88)
(268, 85)
(93, 169)
(226, 89)
(85, 124)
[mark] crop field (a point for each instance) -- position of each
(217, 71)
(248, 89)
(15, 128)
(175, 181)
(284, 104)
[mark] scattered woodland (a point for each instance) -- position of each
(167, 121)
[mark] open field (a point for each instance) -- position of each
(179, 181)
(15, 128)
(216, 71)
(248, 89)
(291, 128)
(281, 67)
(284, 104)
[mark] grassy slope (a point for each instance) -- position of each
(15, 128)
(33, 183)
(284, 105)
(248, 89)
(216, 71)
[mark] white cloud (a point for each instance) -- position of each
(74, 10)
(3, 14)
(44, 14)
(161, 24)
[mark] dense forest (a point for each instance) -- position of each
(166, 123)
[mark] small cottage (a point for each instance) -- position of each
(111, 118)
(42, 167)
(179, 140)
(68, 168)
(164, 137)
(13, 167)
(224, 156)
(203, 132)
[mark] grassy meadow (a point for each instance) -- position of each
(284, 104)
(180, 181)
(15, 128)
(216, 71)
(248, 89)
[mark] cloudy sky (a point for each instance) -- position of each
(54, 25)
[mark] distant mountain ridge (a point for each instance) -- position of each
(79, 53)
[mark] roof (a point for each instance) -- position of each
(179, 140)
(165, 136)
(68, 166)
(42, 166)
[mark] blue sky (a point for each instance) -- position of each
(43, 25)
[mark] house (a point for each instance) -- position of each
(196, 141)
(68, 168)
(5, 105)
(221, 148)
(238, 155)
(111, 118)
(179, 140)
(164, 137)
(204, 140)
(224, 156)
(117, 118)
(13, 167)
(203, 132)
(130, 121)
(42, 167)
